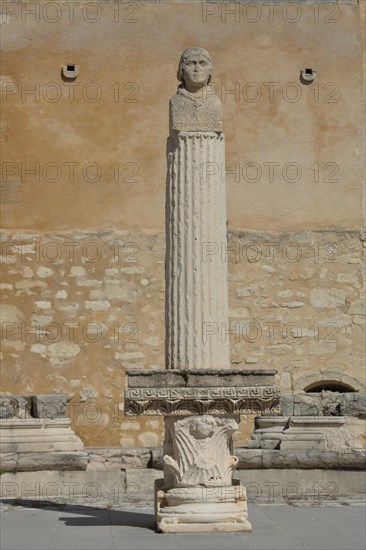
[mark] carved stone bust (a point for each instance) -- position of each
(195, 107)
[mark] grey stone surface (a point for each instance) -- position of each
(8, 407)
(51, 405)
(274, 528)
(68, 486)
(354, 404)
(8, 462)
(287, 404)
(140, 485)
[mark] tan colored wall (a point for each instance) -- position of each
(67, 252)
(311, 132)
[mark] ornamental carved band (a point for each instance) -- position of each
(188, 401)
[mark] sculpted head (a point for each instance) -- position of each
(195, 69)
(202, 427)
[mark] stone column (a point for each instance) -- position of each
(197, 449)
(196, 275)
(199, 395)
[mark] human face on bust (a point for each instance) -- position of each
(196, 72)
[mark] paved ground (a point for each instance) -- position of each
(274, 527)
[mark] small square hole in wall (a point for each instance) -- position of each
(72, 68)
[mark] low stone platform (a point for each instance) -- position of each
(136, 487)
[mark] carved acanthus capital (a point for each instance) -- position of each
(198, 451)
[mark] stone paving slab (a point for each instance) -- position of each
(44, 525)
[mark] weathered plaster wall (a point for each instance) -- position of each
(115, 113)
(83, 242)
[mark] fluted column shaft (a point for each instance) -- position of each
(196, 272)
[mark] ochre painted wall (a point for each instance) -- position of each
(83, 260)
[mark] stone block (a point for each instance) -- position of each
(118, 458)
(8, 407)
(287, 404)
(38, 435)
(88, 488)
(268, 430)
(140, 378)
(352, 459)
(354, 404)
(157, 458)
(309, 422)
(140, 485)
(73, 460)
(12, 406)
(249, 458)
(303, 441)
(49, 405)
(8, 462)
(316, 432)
(318, 486)
(306, 405)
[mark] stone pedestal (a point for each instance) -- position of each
(208, 508)
(316, 433)
(202, 410)
(38, 435)
(322, 433)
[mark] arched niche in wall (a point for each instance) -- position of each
(305, 382)
(329, 385)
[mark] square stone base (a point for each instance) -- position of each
(201, 509)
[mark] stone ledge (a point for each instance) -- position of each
(148, 459)
(205, 378)
(32, 462)
(120, 488)
(289, 459)
(301, 459)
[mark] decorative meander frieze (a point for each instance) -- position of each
(264, 392)
(188, 401)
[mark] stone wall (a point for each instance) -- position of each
(78, 309)
(83, 193)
